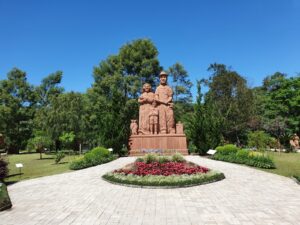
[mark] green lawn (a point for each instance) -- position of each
(287, 164)
(35, 167)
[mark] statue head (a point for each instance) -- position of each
(163, 77)
(146, 87)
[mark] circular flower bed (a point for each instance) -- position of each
(168, 174)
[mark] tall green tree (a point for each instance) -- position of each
(66, 113)
(49, 88)
(203, 126)
(181, 85)
(233, 100)
(279, 102)
(17, 101)
(118, 83)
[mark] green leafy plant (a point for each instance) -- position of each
(177, 158)
(3, 168)
(39, 143)
(149, 158)
(96, 156)
(5, 202)
(230, 153)
(59, 156)
(67, 139)
(164, 159)
(227, 149)
(259, 139)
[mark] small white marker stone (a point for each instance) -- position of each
(19, 165)
(211, 152)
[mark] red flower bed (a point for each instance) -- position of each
(165, 169)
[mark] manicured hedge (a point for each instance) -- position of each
(170, 181)
(230, 153)
(96, 156)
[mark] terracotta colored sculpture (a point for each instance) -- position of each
(145, 101)
(153, 117)
(134, 127)
(294, 142)
(156, 132)
(164, 96)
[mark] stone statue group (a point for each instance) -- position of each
(156, 115)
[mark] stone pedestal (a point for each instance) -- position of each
(164, 144)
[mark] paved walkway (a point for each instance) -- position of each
(246, 196)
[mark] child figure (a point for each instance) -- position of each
(153, 118)
(134, 127)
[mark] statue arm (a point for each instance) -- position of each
(170, 94)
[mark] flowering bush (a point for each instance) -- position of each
(164, 169)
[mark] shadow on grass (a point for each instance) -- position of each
(11, 182)
(15, 174)
(44, 158)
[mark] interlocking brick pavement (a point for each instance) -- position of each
(247, 196)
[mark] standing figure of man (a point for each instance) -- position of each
(164, 96)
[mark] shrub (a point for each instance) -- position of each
(59, 156)
(5, 202)
(96, 156)
(78, 164)
(227, 149)
(261, 162)
(149, 158)
(242, 153)
(259, 139)
(164, 159)
(140, 159)
(177, 158)
(244, 157)
(3, 168)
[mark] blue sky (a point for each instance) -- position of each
(256, 38)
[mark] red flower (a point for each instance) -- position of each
(165, 169)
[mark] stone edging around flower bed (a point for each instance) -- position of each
(220, 176)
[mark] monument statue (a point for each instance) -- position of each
(134, 127)
(156, 130)
(145, 101)
(164, 97)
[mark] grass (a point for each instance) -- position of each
(287, 164)
(36, 167)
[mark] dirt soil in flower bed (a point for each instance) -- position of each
(168, 174)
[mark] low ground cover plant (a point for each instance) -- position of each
(3, 168)
(297, 178)
(96, 156)
(154, 170)
(231, 153)
(5, 202)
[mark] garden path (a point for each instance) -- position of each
(246, 196)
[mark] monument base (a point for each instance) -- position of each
(163, 144)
